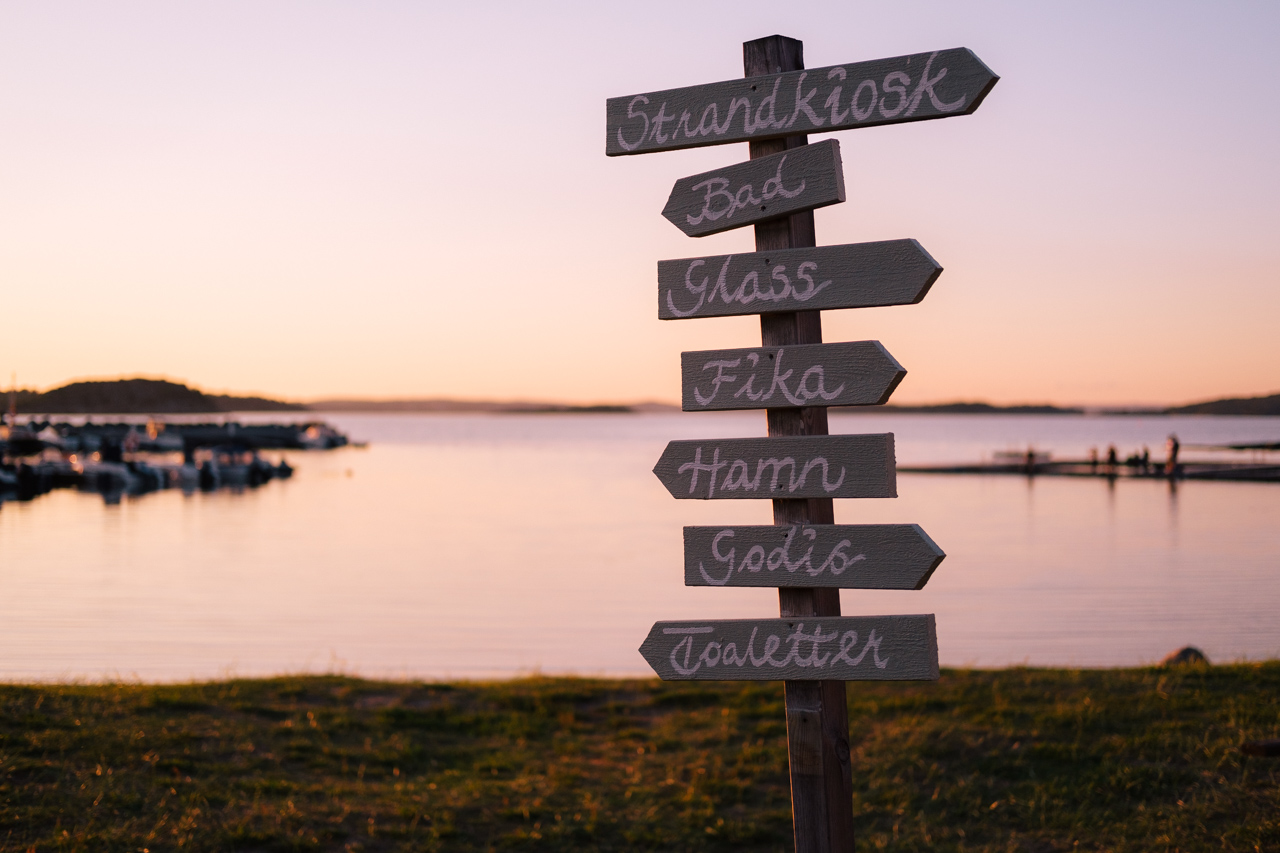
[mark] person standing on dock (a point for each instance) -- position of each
(1171, 455)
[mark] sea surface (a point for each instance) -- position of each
(493, 546)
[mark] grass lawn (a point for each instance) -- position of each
(1008, 760)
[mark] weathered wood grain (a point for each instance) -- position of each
(808, 757)
(856, 275)
(818, 466)
(845, 556)
(859, 373)
(817, 713)
(859, 94)
(833, 648)
(757, 190)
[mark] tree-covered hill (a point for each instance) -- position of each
(140, 396)
(1232, 406)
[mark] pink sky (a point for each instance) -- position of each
(342, 199)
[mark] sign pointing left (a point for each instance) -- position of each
(811, 466)
(858, 648)
(765, 188)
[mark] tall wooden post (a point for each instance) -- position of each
(817, 712)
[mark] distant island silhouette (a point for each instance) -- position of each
(139, 397)
(164, 397)
(1232, 406)
(428, 405)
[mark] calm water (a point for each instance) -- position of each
(482, 546)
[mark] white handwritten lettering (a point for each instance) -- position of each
(863, 115)
(833, 100)
(661, 119)
(816, 649)
(719, 379)
(633, 113)
(687, 645)
(724, 553)
(719, 202)
(770, 100)
(802, 104)
(926, 84)
(850, 639)
(811, 385)
(758, 110)
(740, 478)
(748, 290)
(698, 467)
(895, 83)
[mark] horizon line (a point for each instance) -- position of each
(391, 400)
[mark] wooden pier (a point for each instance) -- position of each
(1190, 470)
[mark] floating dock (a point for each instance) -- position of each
(1236, 471)
(116, 459)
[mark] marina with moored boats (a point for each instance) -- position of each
(131, 458)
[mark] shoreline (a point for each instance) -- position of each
(979, 760)
(534, 676)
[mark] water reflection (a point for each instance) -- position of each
(494, 546)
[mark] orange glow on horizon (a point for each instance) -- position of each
(255, 207)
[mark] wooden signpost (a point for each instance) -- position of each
(812, 649)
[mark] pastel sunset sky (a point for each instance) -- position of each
(410, 199)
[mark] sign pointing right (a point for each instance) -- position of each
(845, 556)
(860, 94)
(860, 373)
(855, 275)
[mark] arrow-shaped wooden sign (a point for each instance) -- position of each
(833, 648)
(861, 94)
(856, 275)
(861, 373)
(803, 178)
(847, 556)
(814, 466)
